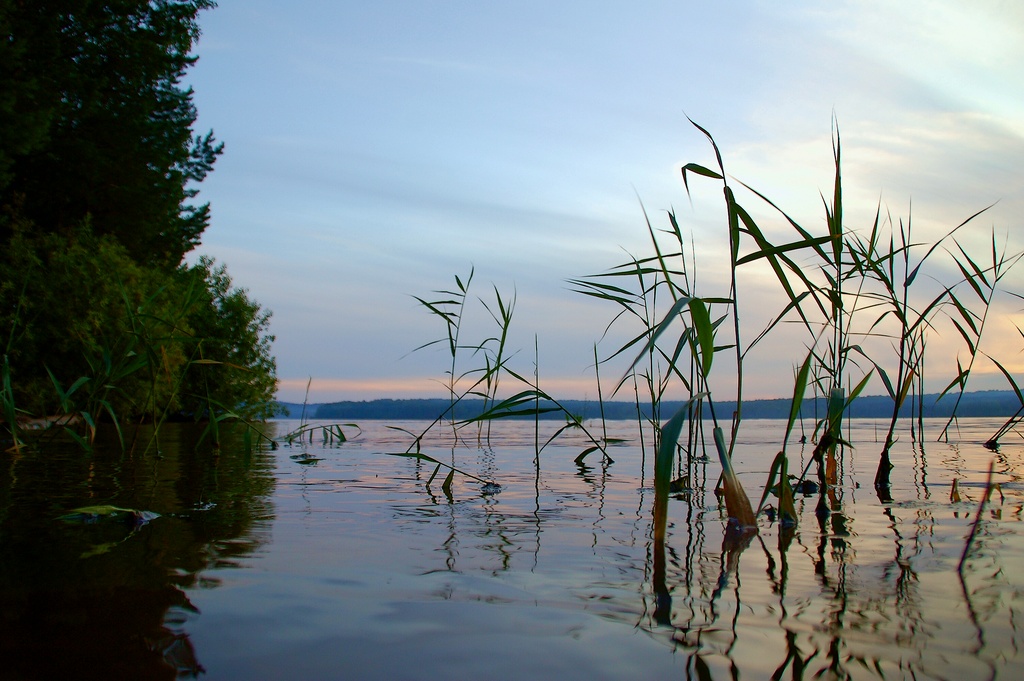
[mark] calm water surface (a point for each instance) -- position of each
(337, 561)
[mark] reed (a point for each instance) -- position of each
(856, 288)
(970, 319)
(889, 271)
(687, 356)
(865, 290)
(449, 308)
(1018, 416)
(483, 381)
(495, 347)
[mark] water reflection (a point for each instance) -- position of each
(371, 570)
(884, 611)
(107, 597)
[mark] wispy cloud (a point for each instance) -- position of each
(374, 153)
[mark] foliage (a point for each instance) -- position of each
(98, 165)
(229, 346)
(94, 121)
(94, 333)
(68, 305)
(850, 292)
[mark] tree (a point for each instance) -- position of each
(231, 364)
(98, 165)
(78, 309)
(138, 342)
(95, 121)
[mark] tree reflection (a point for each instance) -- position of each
(106, 600)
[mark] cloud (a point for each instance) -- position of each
(369, 160)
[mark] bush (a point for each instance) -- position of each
(136, 341)
(231, 366)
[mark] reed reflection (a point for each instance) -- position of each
(856, 585)
(861, 604)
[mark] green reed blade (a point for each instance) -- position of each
(835, 222)
(773, 472)
(783, 490)
(583, 455)
(970, 280)
(913, 274)
(697, 169)
(979, 272)
(960, 379)
(737, 505)
(663, 459)
(968, 338)
(701, 319)
(430, 459)
(714, 145)
(733, 212)
(446, 486)
(775, 257)
(433, 475)
(769, 251)
(799, 389)
(1009, 378)
(652, 338)
(793, 304)
(886, 382)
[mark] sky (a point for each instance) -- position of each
(375, 151)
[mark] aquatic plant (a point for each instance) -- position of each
(1017, 417)
(688, 356)
(143, 346)
(970, 320)
(863, 293)
(449, 308)
(482, 381)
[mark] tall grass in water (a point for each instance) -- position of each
(638, 288)
(687, 357)
(483, 379)
(887, 268)
(449, 308)
(852, 295)
(969, 316)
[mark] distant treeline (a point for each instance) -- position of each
(1001, 403)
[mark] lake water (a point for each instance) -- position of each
(336, 561)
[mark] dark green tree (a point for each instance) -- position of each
(95, 121)
(150, 344)
(99, 165)
(77, 307)
(230, 363)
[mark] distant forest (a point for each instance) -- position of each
(996, 403)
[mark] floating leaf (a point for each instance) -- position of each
(88, 514)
